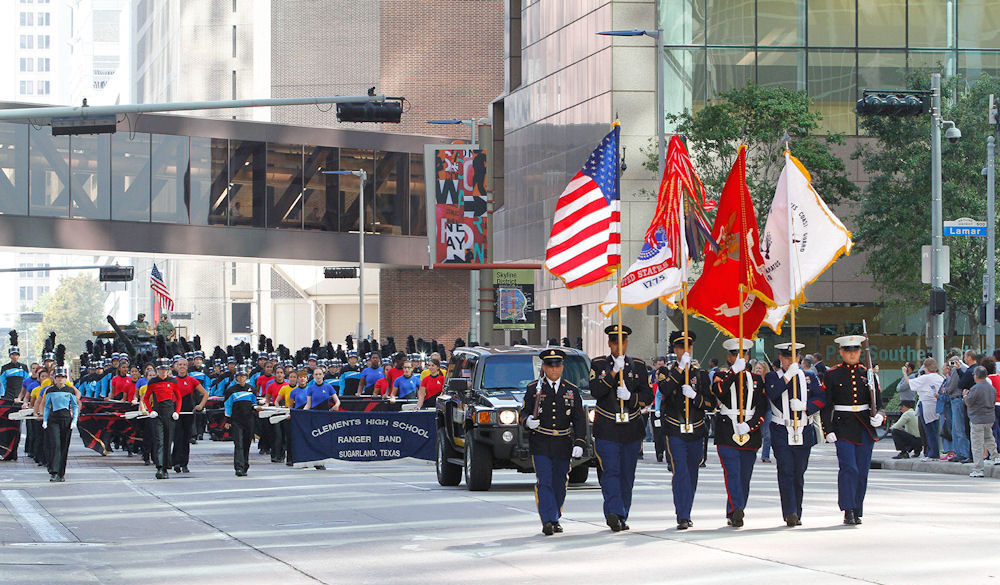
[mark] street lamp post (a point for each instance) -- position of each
(362, 176)
(661, 144)
(937, 279)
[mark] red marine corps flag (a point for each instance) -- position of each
(735, 273)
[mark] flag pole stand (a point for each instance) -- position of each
(741, 414)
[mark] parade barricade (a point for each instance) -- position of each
(362, 436)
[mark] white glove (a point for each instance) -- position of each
(684, 361)
(623, 393)
(72, 426)
(739, 365)
(45, 425)
(689, 392)
(174, 415)
(792, 371)
(877, 420)
(577, 452)
(831, 437)
(741, 428)
(531, 422)
(796, 404)
(619, 364)
(153, 414)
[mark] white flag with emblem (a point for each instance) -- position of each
(801, 239)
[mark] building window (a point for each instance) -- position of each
(43, 273)
(27, 293)
(43, 88)
(27, 42)
(43, 19)
(43, 41)
(234, 41)
(27, 19)
(41, 290)
(26, 88)
(25, 1)
(27, 64)
(43, 64)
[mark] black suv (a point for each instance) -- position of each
(478, 411)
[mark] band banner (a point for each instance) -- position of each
(362, 436)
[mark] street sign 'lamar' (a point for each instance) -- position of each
(965, 226)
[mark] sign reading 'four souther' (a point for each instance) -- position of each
(361, 436)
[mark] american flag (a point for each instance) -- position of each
(585, 244)
(160, 289)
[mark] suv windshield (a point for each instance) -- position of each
(507, 373)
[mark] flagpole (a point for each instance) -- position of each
(741, 414)
(682, 224)
(622, 417)
(792, 264)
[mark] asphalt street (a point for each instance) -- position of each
(390, 522)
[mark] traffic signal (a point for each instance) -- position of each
(939, 301)
(982, 314)
(889, 104)
(387, 111)
(116, 274)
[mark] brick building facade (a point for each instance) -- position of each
(433, 304)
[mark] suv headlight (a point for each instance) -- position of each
(508, 417)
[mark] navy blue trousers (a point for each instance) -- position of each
(737, 468)
(552, 476)
(685, 457)
(852, 479)
(791, 461)
(618, 461)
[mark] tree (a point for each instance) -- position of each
(896, 204)
(760, 116)
(74, 311)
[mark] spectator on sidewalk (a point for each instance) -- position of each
(979, 399)
(959, 415)
(995, 380)
(903, 388)
(906, 431)
(926, 387)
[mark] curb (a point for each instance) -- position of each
(991, 471)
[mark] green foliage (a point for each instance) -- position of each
(760, 116)
(74, 311)
(896, 204)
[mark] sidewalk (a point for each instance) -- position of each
(990, 471)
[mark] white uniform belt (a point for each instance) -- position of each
(851, 407)
(734, 412)
(777, 417)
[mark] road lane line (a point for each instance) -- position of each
(34, 518)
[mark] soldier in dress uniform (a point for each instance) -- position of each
(738, 435)
(619, 427)
(554, 416)
(682, 409)
(794, 395)
(850, 419)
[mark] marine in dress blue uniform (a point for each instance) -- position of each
(683, 405)
(794, 395)
(554, 416)
(738, 459)
(619, 427)
(850, 419)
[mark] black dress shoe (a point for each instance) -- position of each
(792, 520)
(557, 528)
(857, 518)
(177, 468)
(184, 469)
(548, 528)
(614, 522)
(60, 479)
(624, 526)
(659, 458)
(682, 524)
(52, 477)
(736, 520)
(850, 517)
(161, 475)
(902, 455)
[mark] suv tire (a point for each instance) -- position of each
(448, 474)
(579, 474)
(478, 466)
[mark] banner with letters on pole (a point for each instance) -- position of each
(362, 436)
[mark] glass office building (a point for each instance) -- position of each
(832, 49)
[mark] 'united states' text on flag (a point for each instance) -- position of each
(585, 244)
(156, 283)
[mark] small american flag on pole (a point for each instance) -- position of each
(160, 290)
(585, 244)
